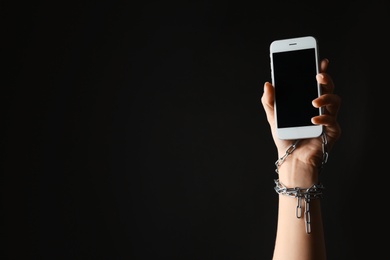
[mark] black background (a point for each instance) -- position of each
(135, 130)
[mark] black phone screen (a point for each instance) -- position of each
(295, 87)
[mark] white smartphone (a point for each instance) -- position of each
(294, 66)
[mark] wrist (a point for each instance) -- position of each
(295, 173)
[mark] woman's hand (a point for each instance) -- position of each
(309, 151)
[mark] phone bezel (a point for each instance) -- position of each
(293, 44)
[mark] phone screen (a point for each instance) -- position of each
(295, 87)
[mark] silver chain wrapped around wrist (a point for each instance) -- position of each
(306, 194)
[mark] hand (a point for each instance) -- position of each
(309, 151)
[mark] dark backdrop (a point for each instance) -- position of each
(135, 130)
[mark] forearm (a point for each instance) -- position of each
(292, 239)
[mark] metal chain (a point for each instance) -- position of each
(289, 151)
(325, 153)
(292, 148)
(314, 192)
(306, 194)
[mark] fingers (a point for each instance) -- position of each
(324, 79)
(325, 120)
(330, 102)
(324, 65)
(333, 129)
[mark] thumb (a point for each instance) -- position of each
(267, 101)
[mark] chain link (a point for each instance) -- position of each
(289, 151)
(325, 153)
(292, 148)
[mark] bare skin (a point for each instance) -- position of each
(300, 169)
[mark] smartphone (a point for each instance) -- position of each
(294, 66)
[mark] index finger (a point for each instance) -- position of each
(325, 79)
